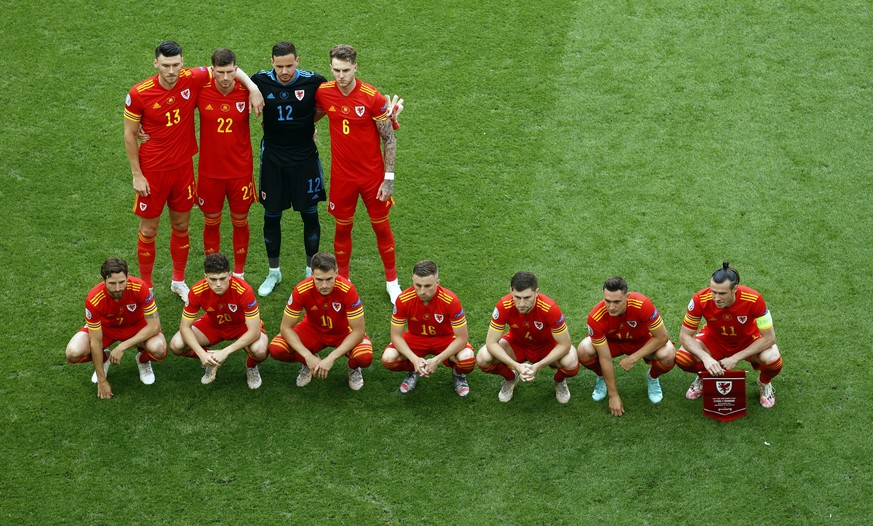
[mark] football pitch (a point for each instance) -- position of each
(577, 140)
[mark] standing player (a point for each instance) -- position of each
(163, 172)
(231, 314)
(225, 166)
(437, 326)
(537, 334)
(359, 116)
(334, 318)
(625, 323)
(291, 173)
(120, 309)
(738, 327)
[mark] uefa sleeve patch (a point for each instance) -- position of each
(496, 313)
(691, 304)
(127, 100)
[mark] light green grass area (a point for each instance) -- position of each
(578, 140)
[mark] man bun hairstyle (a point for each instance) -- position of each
(726, 273)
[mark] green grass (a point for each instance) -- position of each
(575, 139)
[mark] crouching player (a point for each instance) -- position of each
(738, 327)
(537, 334)
(437, 326)
(231, 314)
(334, 318)
(120, 309)
(625, 323)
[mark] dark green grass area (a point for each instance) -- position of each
(578, 140)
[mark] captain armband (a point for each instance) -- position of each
(765, 321)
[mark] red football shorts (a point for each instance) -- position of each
(174, 188)
(316, 340)
(618, 348)
(240, 194)
(343, 199)
(716, 347)
(527, 353)
(424, 346)
(118, 334)
(216, 334)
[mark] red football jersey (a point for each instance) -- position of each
(233, 307)
(135, 304)
(355, 144)
(538, 327)
(167, 117)
(329, 314)
(734, 326)
(225, 136)
(440, 318)
(636, 324)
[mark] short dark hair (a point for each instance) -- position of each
(113, 266)
(223, 57)
(280, 49)
(323, 261)
(523, 281)
(168, 48)
(615, 283)
(216, 263)
(344, 52)
(425, 268)
(726, 273)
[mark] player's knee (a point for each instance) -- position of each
(667, 354)
(148, 231)
(465, 354)
(769, 355)
(483, 357)
(177, 344)
(585, 350)
(390, 356)
(570, 360)
(157, 346)
(259, 351)
(75, 353)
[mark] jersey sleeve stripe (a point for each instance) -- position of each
(357, 313)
